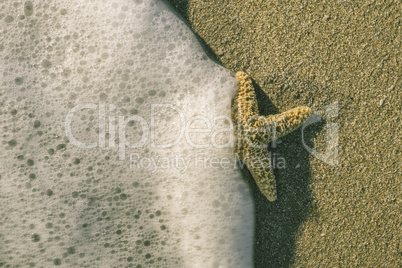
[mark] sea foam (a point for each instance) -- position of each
(117, 144)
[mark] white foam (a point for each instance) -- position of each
(169, 202)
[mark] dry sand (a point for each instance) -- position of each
(318, 53)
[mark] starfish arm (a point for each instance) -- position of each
(290, 120)
(245, 102)
(259, 163)
(263, 129)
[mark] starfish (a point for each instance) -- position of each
(253, 132)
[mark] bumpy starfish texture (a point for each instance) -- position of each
(253, 132)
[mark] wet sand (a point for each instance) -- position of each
(320, 54)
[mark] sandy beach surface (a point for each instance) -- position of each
(341, 58)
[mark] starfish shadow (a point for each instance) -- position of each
(265, 105)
